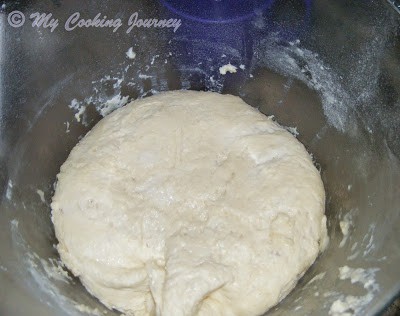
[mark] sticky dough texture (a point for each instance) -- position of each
(189, 203)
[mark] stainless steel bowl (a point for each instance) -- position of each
(329, 68)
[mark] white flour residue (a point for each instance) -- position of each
(44, 273)
(103, 102)
(318, 277)
(55, 269)
(41, 195)
(114, 103)
(130, 53)
(304, 65)
(87, 310)
(330, 294)
(367, 244)
(298, 299)
(354, 251)
(143, 76)
(117, 83)
(345, 226)
(347, 305)
(67, 130)
(153, 59)
(223, 70)
(108, 93)
(9, 189)
(79, 107)
(358, 275)
(214, 84)
(364, 79)
(292, 130)
(368, 240)
(14, 225)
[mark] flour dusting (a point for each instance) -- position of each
(44, 275)
(302, 64)
(87, 310)
(114, 103)
(368, 240)
(318, 277)
(347, 305)
(41, 195)
(345, 226)
(9, 189)
(130, 53)
(223, 70)
(79, 108)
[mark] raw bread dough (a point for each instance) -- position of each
(189, 203)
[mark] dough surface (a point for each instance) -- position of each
(189, 203)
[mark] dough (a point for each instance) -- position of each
(189, 203)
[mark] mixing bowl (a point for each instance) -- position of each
(327, 70)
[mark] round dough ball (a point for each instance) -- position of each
(189, 203)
